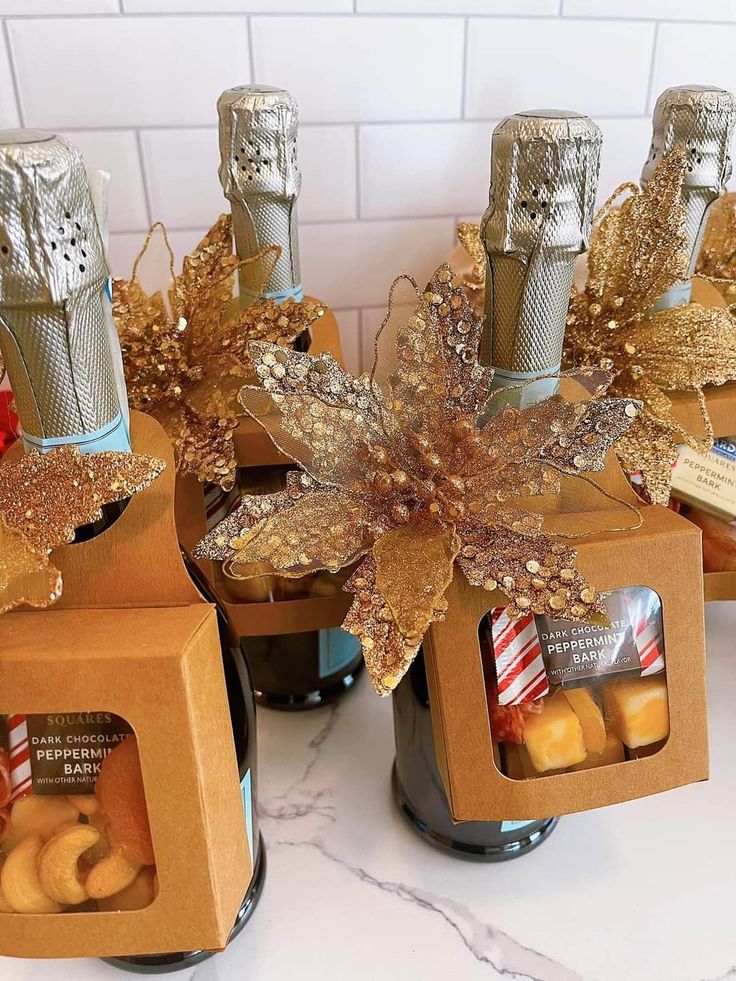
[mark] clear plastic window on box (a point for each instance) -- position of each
(565, 696)
(74, 828)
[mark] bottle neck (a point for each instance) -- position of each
(61, 370)
(526, 311)
(260, 221)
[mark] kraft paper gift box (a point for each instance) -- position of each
(132, 640)
(664, 555)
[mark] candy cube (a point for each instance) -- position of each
(638, 709)
(554, 738)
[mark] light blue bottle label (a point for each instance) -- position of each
(514, 825)
(337, 648)
(246, 786)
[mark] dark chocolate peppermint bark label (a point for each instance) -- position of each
(578, 652)
(66, 750)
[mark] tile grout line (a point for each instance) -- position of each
(13, 72)
(345, 123)
(251, 50)
(358, 175)
(652, 64)
(369, 15)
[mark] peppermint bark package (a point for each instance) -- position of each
(120, 798)
(537, 715)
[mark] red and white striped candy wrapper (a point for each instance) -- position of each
(520, 672)
(646, 624)
(219, 503)
(20, 757)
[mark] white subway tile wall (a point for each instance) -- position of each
(398, 99)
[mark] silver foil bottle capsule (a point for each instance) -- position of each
(55, 333)
(260, 177)
(699, 118)
(544, 178)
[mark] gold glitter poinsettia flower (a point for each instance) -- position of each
(187, 368)
(717, 258)
(399, 478)
(43, 499)
(638, 252)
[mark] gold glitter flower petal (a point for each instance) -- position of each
(26, 575)
(639, 249)
(186, 367)
(387, 653)
(650, 449)
(46, 496)
(325, 529)
(685, 347)
(717, 258)
(533, 571)
(468, 233)
(429, 549)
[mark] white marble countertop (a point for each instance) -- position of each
(642, 892)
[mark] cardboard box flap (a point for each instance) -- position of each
(475, 788)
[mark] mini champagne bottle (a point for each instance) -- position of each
(544, 176)
(260, 177)
(61, 357)
(700, 119)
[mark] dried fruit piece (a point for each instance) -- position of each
(122, 797)
(138, 895)
(591, 718)
(19, 879)
(110, 875)
(58, 864)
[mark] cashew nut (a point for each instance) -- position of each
(19, 879)
(58, 868)
(40, 815)
(93, 855)
(111, 875)
(138, 895)
(85, 803)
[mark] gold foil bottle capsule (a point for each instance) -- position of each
(701, 119)
(260, 177)
(544, 178)
(55, 334)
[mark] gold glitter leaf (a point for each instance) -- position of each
(44, 498)
(429, 550)
(26, 575)
(48, 495)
